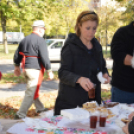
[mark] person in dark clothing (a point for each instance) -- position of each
(129, 127)
(81, 61)
(32, 52)
(122, 48)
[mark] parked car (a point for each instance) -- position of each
(54, 48)
(12, 37)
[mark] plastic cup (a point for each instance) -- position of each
(103, 117)
(93, 121)
(91, 93)
(102, 120)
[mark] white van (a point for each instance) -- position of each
(12, 37)
(54, 48)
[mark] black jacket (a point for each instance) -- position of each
(77, 61)
(123, 44)
(33, 45)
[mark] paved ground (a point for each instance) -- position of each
(6, 66)
(8, 90)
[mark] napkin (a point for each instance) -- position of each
(101, 78)
(115, 110)
(119, 123)
(126, 108)
(75, 113)
(37, 123)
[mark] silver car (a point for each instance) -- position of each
(54, 48)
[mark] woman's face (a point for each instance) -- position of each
(88, 30)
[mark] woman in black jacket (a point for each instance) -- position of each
(81, 60)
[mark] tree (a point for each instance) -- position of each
(109, 22)
(128, 14)
(69, 13)
(23, 11)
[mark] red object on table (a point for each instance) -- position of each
(0, 75)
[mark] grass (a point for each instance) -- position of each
(11, 78)
(11, 50)
(106, 94)
(10, 106)
(110, 72)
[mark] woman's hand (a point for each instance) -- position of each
(106, 77)
(85, 83)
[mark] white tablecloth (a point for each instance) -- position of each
(66, 126)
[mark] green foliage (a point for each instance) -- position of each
(119, 0)
(11, 78)
(106, 94)
(129, 13)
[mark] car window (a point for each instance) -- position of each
(57, 45)
(48, 42)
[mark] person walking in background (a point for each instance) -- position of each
(32, 52)
(122, 49)
(81, 61)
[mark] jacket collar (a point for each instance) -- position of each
(75, 40)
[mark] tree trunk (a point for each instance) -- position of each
(68, 28)
(67, 32)
(106, 30)
(3, 24)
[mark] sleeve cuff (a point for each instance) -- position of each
(105, 71)
(16, 64)
(50, 70)
(131, 127)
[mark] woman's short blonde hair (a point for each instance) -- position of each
(85, 16)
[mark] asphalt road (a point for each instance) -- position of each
(6, 66)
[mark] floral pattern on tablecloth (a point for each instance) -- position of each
(54, 120)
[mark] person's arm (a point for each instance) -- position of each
(66, 76)
(17, 59)
(64, 73)
(125, 129)
(118, 48)
(43, 54)
(131, 127)
(131, 116)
